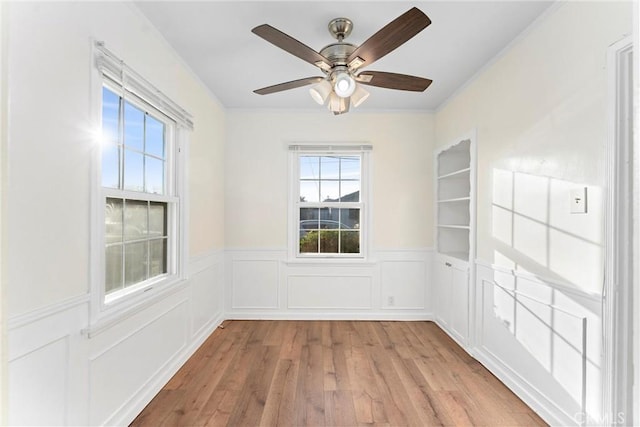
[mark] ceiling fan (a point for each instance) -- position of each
(341, 62)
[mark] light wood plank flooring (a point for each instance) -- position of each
(333, 373)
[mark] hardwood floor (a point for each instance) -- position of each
(333, 373)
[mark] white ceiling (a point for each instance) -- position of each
(214, 38)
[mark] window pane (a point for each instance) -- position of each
(309, 167)
(329, 241)
(113, 220)
(350, 167)
(309, 242)
(133, 127)
(154, 175)
(349, 242)
(113, 268)
(111, 165)
(135, 263)
(329, 218)
(133, 167)
(157, 257)
(330, 168)
(310, 191)
(350, 218)
(309, 218)
(154, 137)
(110, 114)
(135, 220)
(330, 191)
(350, 191)
(157, 219)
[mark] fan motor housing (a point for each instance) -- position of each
(338, 53)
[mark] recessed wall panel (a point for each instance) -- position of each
(330, 292)
(255, 284)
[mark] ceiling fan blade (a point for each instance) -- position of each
(393, 81)
(390, 36)
(291, 45)
(288, 85)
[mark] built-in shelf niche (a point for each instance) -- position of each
(453, 200)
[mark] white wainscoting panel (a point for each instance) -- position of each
(207, 291)
(37, 381)
(133, 359)
(45, 365)
(118, 373)
(542, 339)
(255, 283)
(330, 292)
(59, 374)
(405, 280)
(265, 284)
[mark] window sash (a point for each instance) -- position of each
(316, 151)
(168, 197)
(172, 249)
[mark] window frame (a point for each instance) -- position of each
(111, 72)
(170, 197)
(296, 151)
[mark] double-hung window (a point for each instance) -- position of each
(140, 241)
(330, 202)
(139, 194)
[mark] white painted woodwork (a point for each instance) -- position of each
(543, 340)
(454, 175)
(61, 373)
(393, 285)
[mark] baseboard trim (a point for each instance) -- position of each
(545, 408)
(238, 315)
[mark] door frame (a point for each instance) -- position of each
(619, 238)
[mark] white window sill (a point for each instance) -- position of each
(330, 262)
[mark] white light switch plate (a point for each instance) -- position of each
(579, 200)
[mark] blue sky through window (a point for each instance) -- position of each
(134, 144)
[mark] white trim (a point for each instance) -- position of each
(330, 148)
(617, 308)
(543, 281)
(317, 314)
(132, 408)
(107, 69)
(117, 70)
(472, 137)
(364, 205)
(21, 320)
(636, 212)
(517, 379)
(131, 307)
(545, 408)
(363, 110)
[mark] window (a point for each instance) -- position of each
(138, 231)
(330, 200)
(139, 194)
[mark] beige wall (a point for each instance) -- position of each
(51, 147)
(541, 119)
(256, 173)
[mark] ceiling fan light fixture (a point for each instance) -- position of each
(321, 92)
(344, 85)
(359, 96)
(336, 104)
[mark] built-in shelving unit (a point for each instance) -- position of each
(453, 200)
(455, 231)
